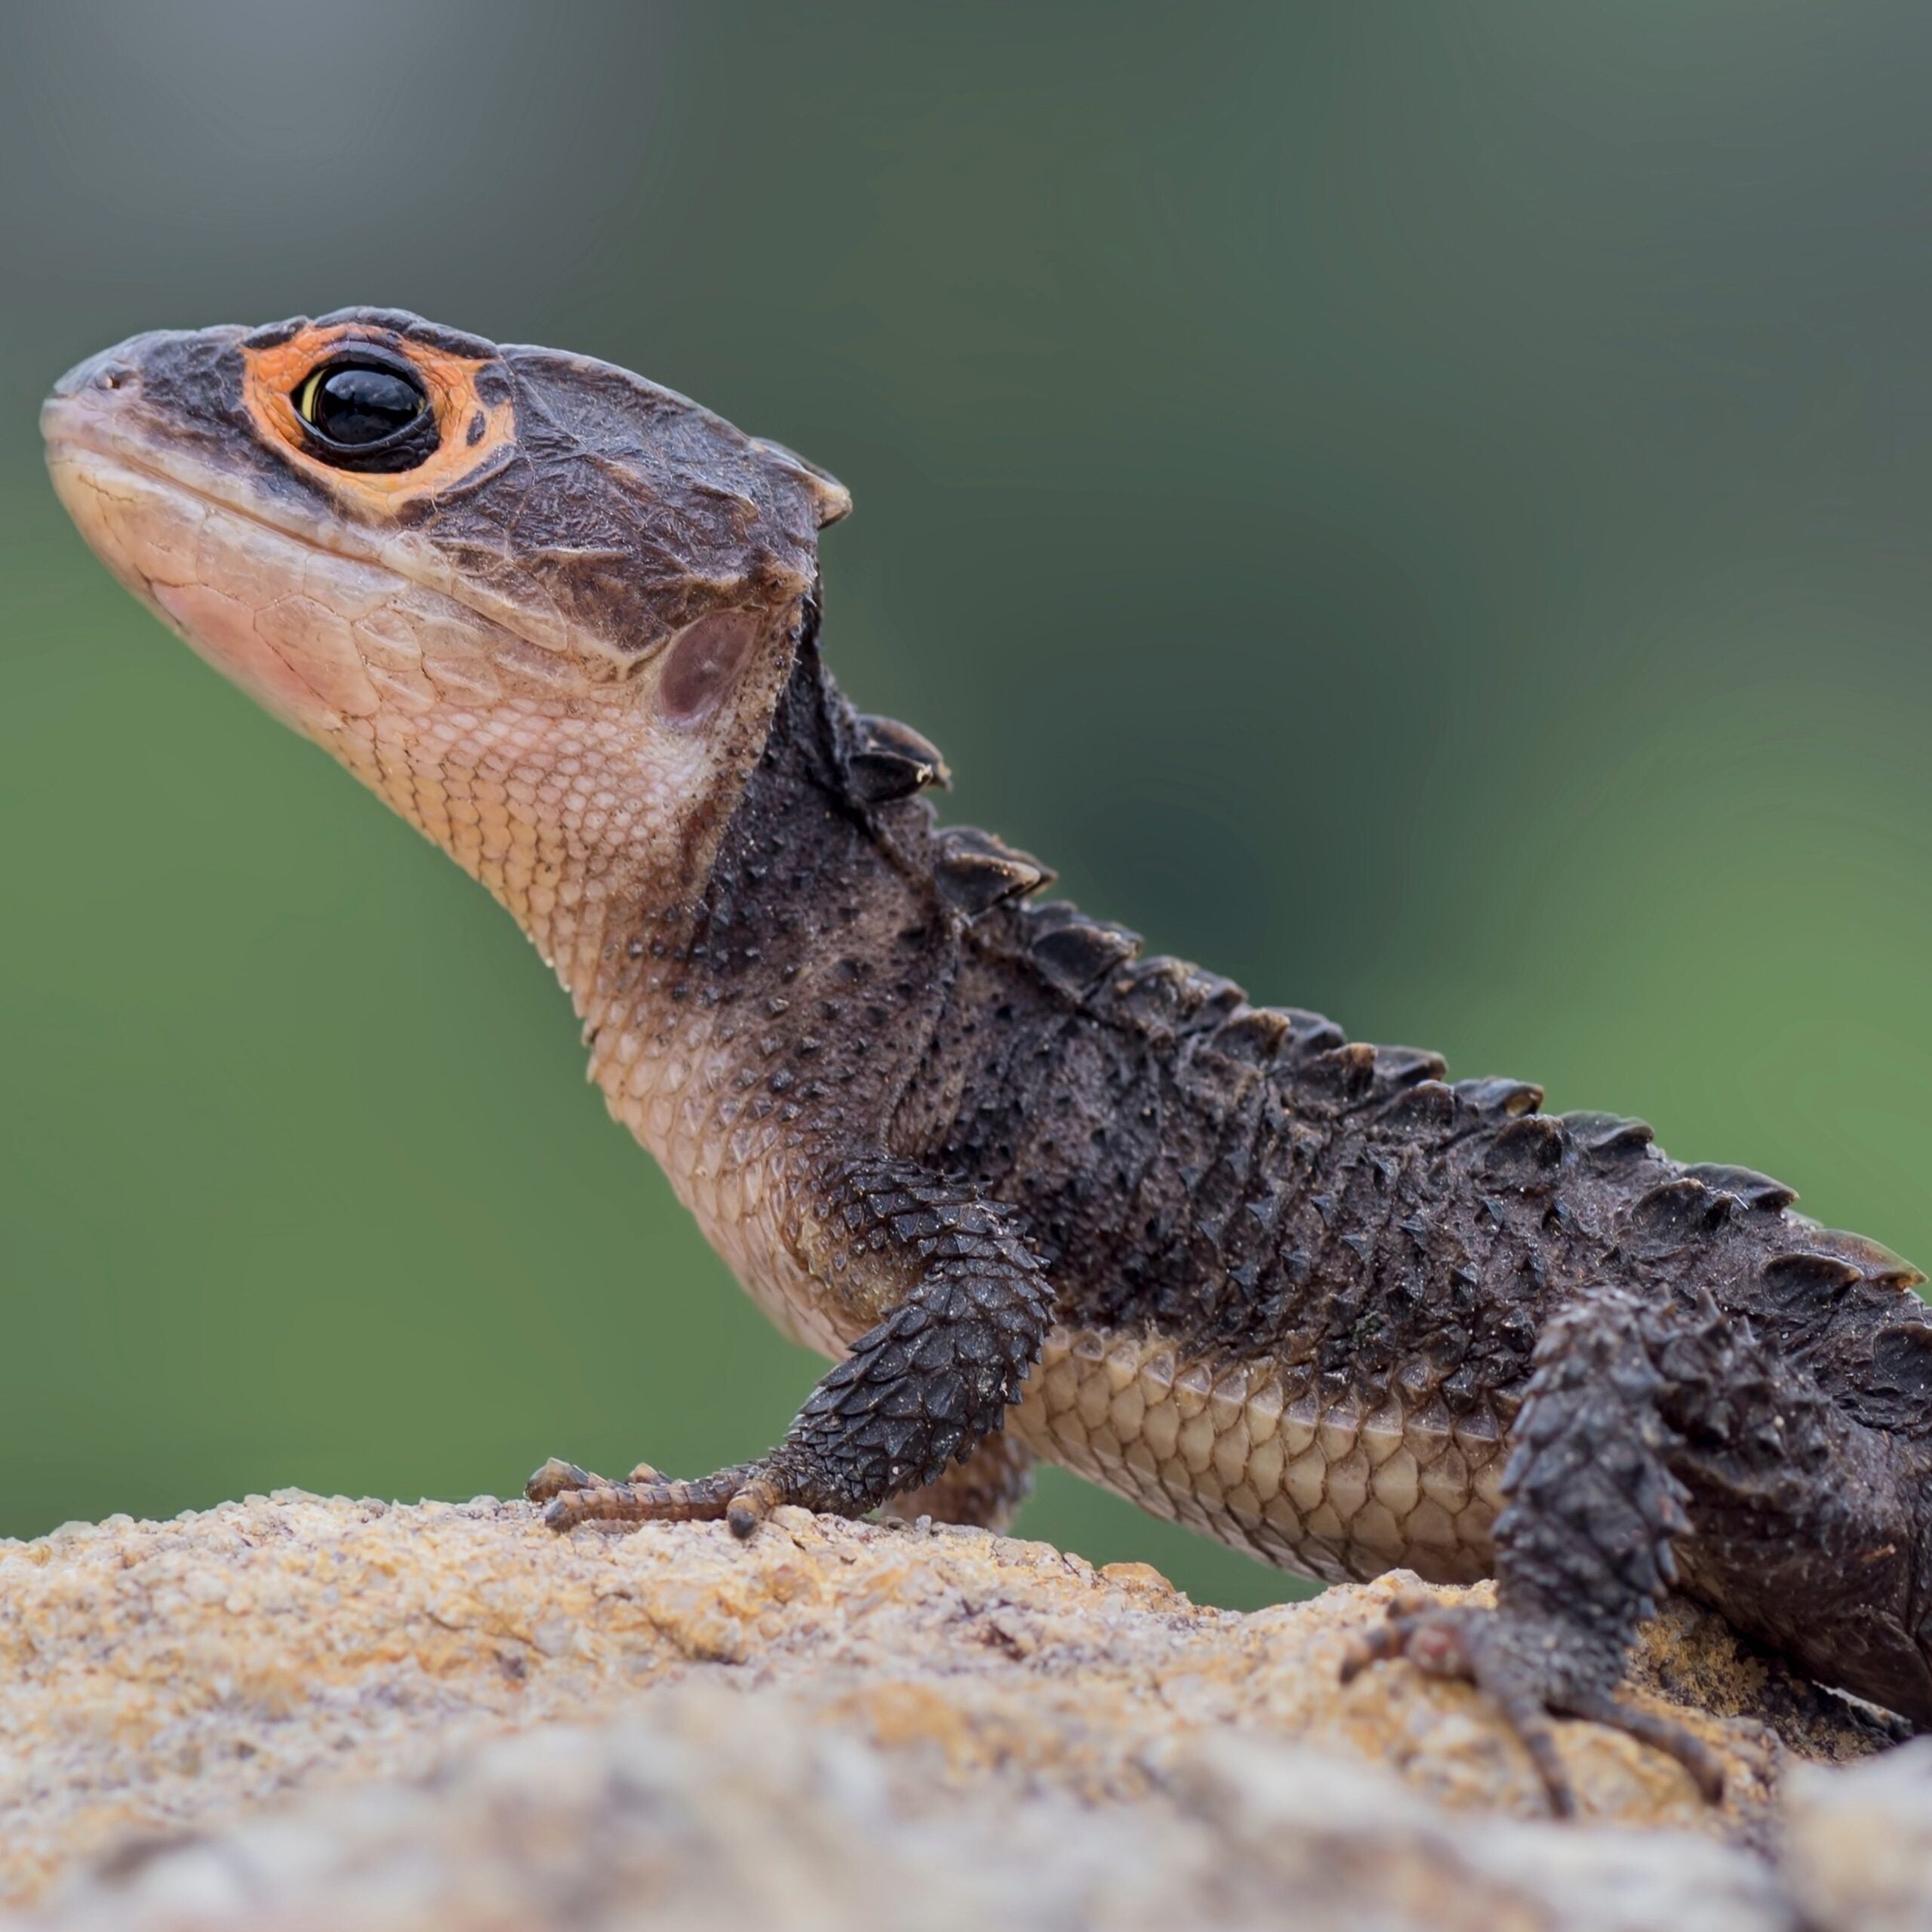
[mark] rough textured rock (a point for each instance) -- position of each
(291, 1712)
(1860, 1846)
(721, 1811)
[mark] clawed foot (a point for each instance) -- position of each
(744, 1496)
(1511, 1660)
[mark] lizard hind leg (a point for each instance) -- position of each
(1583, 1547)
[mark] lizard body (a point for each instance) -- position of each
(1035, 1194)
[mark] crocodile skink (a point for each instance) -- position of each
(1035, 1194)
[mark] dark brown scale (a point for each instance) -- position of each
(887, 760)
(973, 871)
(1253, 1036)
(1753, 1189)
(1074, 953)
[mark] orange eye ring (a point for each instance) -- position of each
(467, 422)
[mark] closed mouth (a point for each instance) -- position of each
(106, 453)
(93, 450)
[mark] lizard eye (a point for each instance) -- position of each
(366, 414)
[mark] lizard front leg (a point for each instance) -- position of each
(920, 1390)
(982, 1491)
(1582, 1545)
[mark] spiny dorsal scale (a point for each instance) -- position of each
(1676, 1212)
(1312, 1032)
(1873, 1260)
(888, 760)
(1345, 1073)
(1404, 1066)
(1074, 952)
(1255, 1033)
(1529, 1148)
(1607, 1136)
(1794, 1279)
(973, 871)
(1496, 1095)
(1754, 1189)
(1170, 994)
(1220, 997)
(1428, 1106)
(1156, 985)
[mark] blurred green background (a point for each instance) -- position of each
(1422, 508)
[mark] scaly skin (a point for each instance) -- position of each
(1304, 1295)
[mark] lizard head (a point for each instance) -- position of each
(543, 606)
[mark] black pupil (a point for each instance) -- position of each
(355, 406)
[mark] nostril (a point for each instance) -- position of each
(116, 369)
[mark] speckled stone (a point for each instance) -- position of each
(183, 1677)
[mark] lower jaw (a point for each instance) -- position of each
(231, 587)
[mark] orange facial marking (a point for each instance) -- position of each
(276, 376)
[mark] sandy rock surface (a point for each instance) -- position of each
(293, 1711)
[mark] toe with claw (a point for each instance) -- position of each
(1520, 1664)
(571, 1495)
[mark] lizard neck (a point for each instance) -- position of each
(559, 814)
(750, 1033)
(749, 981)
(587, 816)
